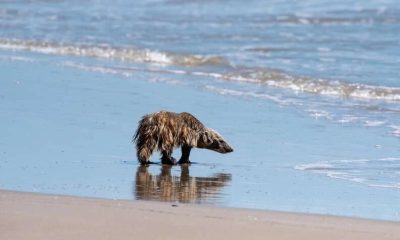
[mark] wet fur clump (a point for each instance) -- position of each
(164, 131)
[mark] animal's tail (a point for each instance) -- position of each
(145, 138)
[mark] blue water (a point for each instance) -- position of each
(306, 92)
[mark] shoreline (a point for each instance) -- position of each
(41, 216)
(79, 143)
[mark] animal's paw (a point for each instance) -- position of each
(168, 160)
(184, 161)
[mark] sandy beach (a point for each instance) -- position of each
(35, 216)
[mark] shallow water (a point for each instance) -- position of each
(307, 93)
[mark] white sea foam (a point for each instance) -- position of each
(394, 185)
(350, 119)
(322, 166)
(100, 69)
(396, 130)
(126, 72)
(369, 123)
(280, 79)
(16, 58)
(231, 92)
(389, 159)
(269, 77)
(316, 114)
(144, 55)
(125, 54)
(166, 80)
(371, 172)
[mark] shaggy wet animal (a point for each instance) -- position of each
(164, 131)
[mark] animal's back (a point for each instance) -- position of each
(161, 121)
(190, 121)
(155, 126)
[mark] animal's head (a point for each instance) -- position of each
(210, 139)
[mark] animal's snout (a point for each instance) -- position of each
(227, 149)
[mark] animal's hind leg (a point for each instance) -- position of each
(143, 156)
(167, 158)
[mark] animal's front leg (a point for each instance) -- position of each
(185, 154)
(167, 158)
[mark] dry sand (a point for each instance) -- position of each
(36, 216)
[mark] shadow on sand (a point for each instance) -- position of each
(182, 188)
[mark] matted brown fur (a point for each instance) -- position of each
(164, 131)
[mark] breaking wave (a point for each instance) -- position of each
(280, 79)
(269, 77)
(124, 54)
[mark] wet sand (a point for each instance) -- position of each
(36, 216)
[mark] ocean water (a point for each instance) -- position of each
(307, 92)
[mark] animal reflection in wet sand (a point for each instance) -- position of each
(183, 188)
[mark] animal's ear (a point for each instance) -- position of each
(207, 137)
